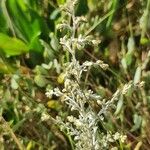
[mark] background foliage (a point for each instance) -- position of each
(31, 60)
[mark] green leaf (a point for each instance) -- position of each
(128, 58)
(41, 70)
(119, 105)
(54, 42)
(48, 51)
(131, 44)
(144, 41)
(12, 46)
(113, 7)
(3, 24)
(27, 23)
(61, 2)
(7, 95)
(4, 68)
(137, 75)
(54, 14)
(123, 62)
(14, 84)
(34, 44)
(40, 80)
(137, 119)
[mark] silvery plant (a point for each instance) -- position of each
(83, 127)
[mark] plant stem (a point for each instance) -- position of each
(20, 146)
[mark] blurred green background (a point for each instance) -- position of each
(31, 60)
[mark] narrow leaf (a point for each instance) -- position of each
(137, 75)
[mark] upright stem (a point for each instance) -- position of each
(73, 36)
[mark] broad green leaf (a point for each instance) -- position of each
(3, 24)
(20, 19)
(12, 46)
(34, 44)
(22, 5)
(27, 23)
